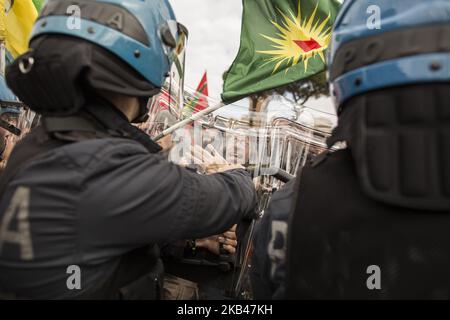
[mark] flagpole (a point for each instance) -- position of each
(189, 120)
(2, 57)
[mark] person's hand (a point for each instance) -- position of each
(210, 160)
(166, 142)
(227, 239)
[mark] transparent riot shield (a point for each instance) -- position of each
(285, 146)
(272, 147)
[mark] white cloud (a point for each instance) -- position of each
(214, 35)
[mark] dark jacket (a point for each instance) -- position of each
(91, 202)
(342, 244)
(268, 263)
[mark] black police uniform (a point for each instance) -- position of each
(94, 196)
(371, 221)
(268, 269)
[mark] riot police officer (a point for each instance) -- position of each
(371, 221)
(269, 256)
(85, 199)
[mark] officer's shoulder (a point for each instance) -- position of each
(106, 145)
(330, 159)
(285, 192)
(281, 201)
(335, 165)
(87, 152)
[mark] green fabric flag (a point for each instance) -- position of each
(282, 41)
(38, 4)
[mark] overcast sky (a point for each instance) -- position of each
(214, 37)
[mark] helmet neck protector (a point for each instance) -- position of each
(400, 141)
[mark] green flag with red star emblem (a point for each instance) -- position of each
(282, 41)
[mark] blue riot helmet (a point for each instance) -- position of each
(121, 46)
(390, 78)
(141, 33)
(6, 95)
(385, 43)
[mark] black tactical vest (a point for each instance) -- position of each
(138, 274)
(342, 244)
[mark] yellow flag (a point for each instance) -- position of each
(2, 21)
(18, 17)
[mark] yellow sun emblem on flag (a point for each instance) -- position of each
(299, 39)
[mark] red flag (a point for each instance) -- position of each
(202, 93)
(198, 101)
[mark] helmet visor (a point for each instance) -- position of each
(173, 36)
